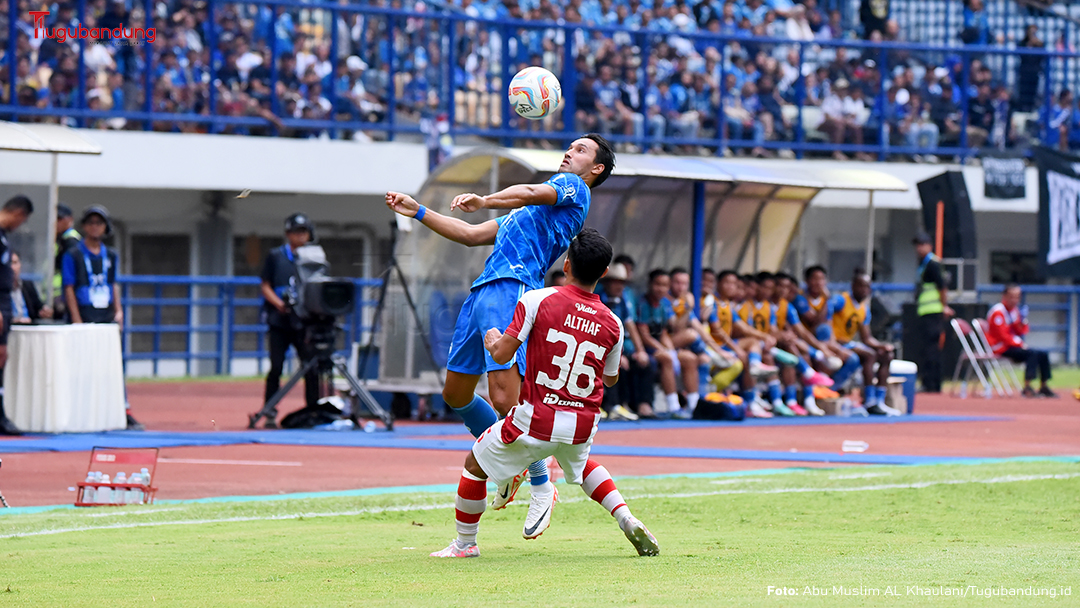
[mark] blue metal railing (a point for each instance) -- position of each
(202, 324)
(447, 30)
(1055, 311)
(211, 306)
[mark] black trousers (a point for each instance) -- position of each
(280, 339)
(1035, 360)
(929, 330)
(7, 314)
(635, 386)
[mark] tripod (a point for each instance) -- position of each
(320, 339)
(392, 266)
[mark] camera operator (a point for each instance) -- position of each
(285, 327)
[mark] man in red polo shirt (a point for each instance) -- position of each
(1008, 326)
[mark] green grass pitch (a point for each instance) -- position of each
(865, 536)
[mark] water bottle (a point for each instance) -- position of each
(103, 496)
(88, 491)
(134, 494)
(119, 495)
(369, 426)
(342, 425)
(963, 389)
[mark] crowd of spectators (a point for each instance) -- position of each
(655, 83)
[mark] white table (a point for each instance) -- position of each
(65, 378)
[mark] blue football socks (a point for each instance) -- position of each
(477, 416)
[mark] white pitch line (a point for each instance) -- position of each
(254, 463)
(449, 505)
(860, 476)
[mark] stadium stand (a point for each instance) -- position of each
(693, 77)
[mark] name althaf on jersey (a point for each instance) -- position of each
(531, 238)
(568, 357)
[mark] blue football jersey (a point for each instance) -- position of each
(531, 238)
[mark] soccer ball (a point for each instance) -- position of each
(535, 93)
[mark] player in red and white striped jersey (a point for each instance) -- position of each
(575, 345)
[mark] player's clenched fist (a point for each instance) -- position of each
(490, 338)
(402, 203)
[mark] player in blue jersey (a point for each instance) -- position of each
(544, 219)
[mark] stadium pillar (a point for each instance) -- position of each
(54, 200)
(697, 243)
(212, 257)
(869, 267)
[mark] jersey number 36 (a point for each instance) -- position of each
(572, 365)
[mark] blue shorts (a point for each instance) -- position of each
(854, 344)
(489, 305)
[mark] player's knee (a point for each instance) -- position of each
(473, 467)
(662, 357)
(456, 398)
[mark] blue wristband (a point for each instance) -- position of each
(420, 214)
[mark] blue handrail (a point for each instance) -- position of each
(197, 313)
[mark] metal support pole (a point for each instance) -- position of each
(49, 264)
(800, 101)
(697, 242)
(1074, 317)
(13, 61)
(148, 77)
(869, 267)
(80, 95)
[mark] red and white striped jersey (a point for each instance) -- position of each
(573, 342)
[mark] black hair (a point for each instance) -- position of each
(747, 278)
(724, 274)
(812, 269)
(605, 155)
(589, 255)
(555, 275)
(1009, 287)
(780, 276)
(657, 273)
(624, 259)
(763, 276)
(678, 270)
(705, 271)
(19, 202)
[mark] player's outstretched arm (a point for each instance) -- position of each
(501, 346)
(459, 231)
(513, 197)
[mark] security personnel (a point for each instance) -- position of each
(88, 273)
(285, 327)
(932, 307)
(66, 238)
(13, 214)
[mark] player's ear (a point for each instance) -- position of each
(566, 266)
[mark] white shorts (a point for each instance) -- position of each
(502, 461)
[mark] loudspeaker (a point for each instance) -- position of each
(959, 234)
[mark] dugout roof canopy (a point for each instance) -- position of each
(55, 140)
(648, 208)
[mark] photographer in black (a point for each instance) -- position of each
(285, 327)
